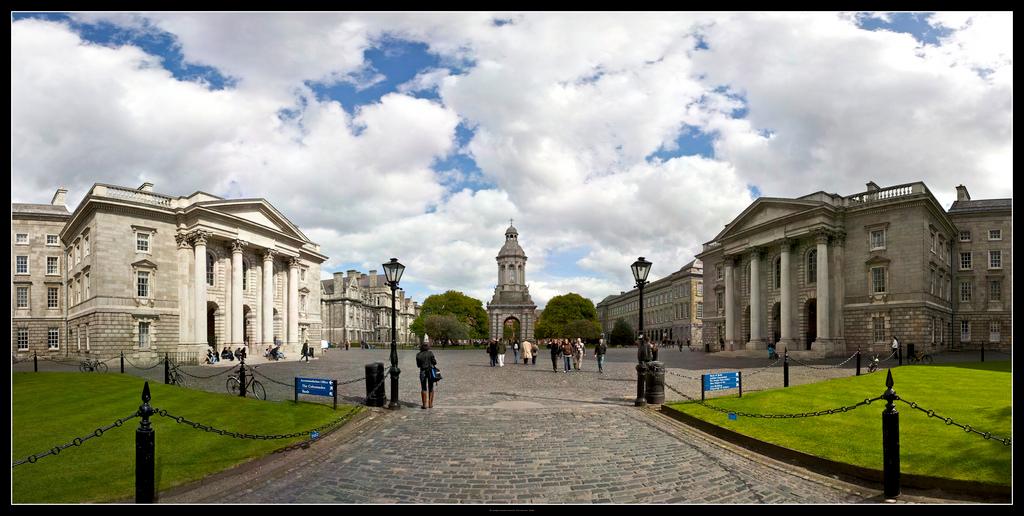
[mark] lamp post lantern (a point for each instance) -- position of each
(641, 268)
(393, 272)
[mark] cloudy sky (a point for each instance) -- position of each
(418, 136)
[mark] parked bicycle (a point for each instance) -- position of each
(920, 357)
(96, 365)
(252, 385)
(873, 364)
(175, 376)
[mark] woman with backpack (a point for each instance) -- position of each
(425, 361)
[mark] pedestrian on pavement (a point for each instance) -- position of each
(599, 351)
(567, 352)
(305, 351)
(533, 353)
(492, 350)
(425, 360)
(527, 352)
(578, 351)
(654, 349)
(515, 351)
(897, 349)
(501, 353)
(556, 350)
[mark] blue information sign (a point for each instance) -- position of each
(315, 386)
(719, 381)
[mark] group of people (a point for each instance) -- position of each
(572, 351)
(496, 349)
(212, 357)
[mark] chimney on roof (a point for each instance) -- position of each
(60, 197)
(962, 194)
(373, 277)
(872, 187)
(146, 187)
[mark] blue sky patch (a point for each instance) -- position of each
(562, 263)
(755, 192)
(915, 24)
(691, 141)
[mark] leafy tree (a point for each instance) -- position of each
(445, 328)
(586, 330)
(622, 334)
(562, 310)
(469, 311)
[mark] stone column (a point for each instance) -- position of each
(236, 291)
(199, 239)
(730, 311)
(822, 288)
(268, 297)
(186, 334)
(786, 308)
(755, 302)
(293, 303)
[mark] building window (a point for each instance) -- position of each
(302, 274)
(995, 260)
(718, 271)
(51, 266)
(53, 338)
(211, 262)
(878, 328)
(995, 290)
(52, 240)
(700, 310)
(51, 297)
(994, 331)
(22, 297)
(143, 281)
(21, 265)
(965, 291)
(933, 243)
(718, 301)
(78, 253)
(302, 302)
(21, 239)
(812, 266)
(931, 327)
(87, 284)
(965, 331)
(777, 272)
(942, 248)
(686, 310)
(965, 261)
(143, 335)
(141, 242)
(995, 234)
(878, 280)
(965, 236)
(931, 282)
(86, 241)
(22, 339)
(878, 239)
(700, 288)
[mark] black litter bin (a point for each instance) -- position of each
(375, 384)
(910, 351)
(655, 383)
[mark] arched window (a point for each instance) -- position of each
(211, 262)
(777, 268)
(812, 266)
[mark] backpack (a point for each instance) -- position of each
(435, 374)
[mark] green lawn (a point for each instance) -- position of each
(976, 394)
(51, 409)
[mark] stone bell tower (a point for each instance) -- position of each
(511, 302)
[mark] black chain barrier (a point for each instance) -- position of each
(361, 378)
(949, 421)
(237, 435)
(136, 366)
(836, 366)
(292, 385)
(826, 412)
(890, 357)
(74, 442)
(763, 369)
(182, 371)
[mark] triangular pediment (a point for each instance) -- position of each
(765, 210)
(260, 212)
(144, 263)
(876, 259)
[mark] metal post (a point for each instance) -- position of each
(122, 362)
(167, 369)
(702, 387)
(890, 442)
(858, 361)
(295, 384)
(334, 388)
(982, 351)
(739, 378)
(241, 377)
(641, 399)
(35, 362)
(899, 354)
(145, 451)
(394, 355)
(785, 367)
(641, 369)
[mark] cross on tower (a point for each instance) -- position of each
(509, 222)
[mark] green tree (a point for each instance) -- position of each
(622, 334)
(562, 310)
(469, 311)
(445, 328)
(586, 330)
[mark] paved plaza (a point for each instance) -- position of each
(520, 434)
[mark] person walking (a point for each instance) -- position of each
(897, 349)
(515, 351)
(527, 352)
(425, 361)
(567, 354)
(577, 355)
(654, 349)
(501, 353)
(492, 351)
(305, 351)
(534, 349)
(556, 350)
(599, 351)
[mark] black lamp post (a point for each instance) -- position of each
(640, 269)
(393, 272)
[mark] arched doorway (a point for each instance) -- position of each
(247, 322)
(811, 313)
(776, 322)
(511, 330)
(211, 324)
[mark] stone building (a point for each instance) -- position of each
(148, 273)
(673, 307)
(983, 290)
(511, 305)
(37, 276)
(356, 307)
(826, 274)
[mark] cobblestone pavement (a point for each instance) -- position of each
(524, 434)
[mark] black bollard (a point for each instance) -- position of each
(641, 371)
(334, 390)
(167, 369)
(890, 442)
(241, 377)
(858, 361)
(982, 351)
(145, 452)
(35, 362)
(785, 368)
(702, 387)
(899, 354)
(122, 362)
